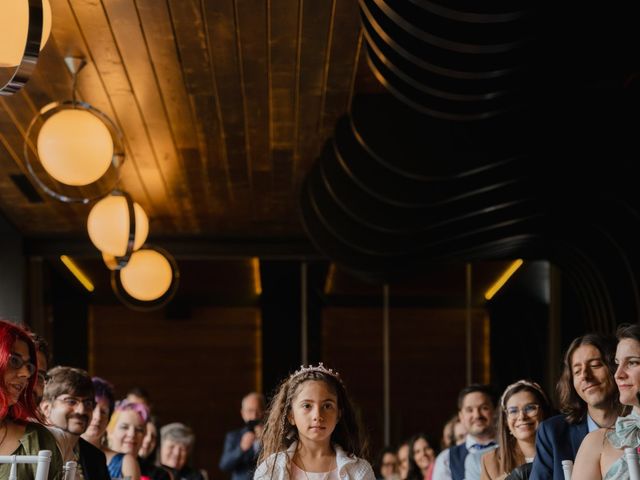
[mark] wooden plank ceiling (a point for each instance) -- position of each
(224, 105)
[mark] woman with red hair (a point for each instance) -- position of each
(19, 435)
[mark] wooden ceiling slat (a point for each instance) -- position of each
(316, 18)
(133, 45)
(51, 213)
(342, 65)
(222, 38)
(252, 36)
(191, 43)
(91, 88)
(97, 33)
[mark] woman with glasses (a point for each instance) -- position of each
(523, 406)
(601, 453)
(19, 435)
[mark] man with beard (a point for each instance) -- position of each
(476, 405)
(588, 400)
(68, 404)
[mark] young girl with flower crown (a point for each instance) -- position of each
(311, 432)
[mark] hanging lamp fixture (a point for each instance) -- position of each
(117, 226)
(74, 151)
(25, 26)
(148, 281)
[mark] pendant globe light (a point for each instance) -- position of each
(148, 281)
(117, 226)
(25, 26)
(73, 151)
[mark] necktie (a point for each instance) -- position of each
(482, 446)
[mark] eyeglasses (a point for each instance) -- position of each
(529, 410)
(16, 363)
(72, 402)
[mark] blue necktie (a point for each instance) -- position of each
(482, 446)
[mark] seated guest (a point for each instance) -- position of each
(453, 433)
(19, 435)
(403, 460)
(601, 454)
(125, 432)
(421, 458)
(44, 356)
(588, 400)
(476, 405)
(68, 403)
(176, 444)
(147, 452)
(522, 407)
(388, 465)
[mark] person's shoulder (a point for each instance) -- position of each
(557, 422)
(595, 438)
(88, 447)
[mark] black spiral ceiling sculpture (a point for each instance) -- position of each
(491, 143)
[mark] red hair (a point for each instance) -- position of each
(25, 407)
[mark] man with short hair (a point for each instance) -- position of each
(241, 446)
(43, 357)
(476, 407)
(588, 400)
(68, 404)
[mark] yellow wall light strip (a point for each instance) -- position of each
(79, 274)
(257, 284)
(503, 279)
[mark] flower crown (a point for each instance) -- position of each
(320, 368)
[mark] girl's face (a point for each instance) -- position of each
(16, 378)
(127, 434)
(523, 415)
(314, 412)
(100, 419)
(423, 454)
(628, 372)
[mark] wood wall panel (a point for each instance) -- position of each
(427, 365)
(196, 370)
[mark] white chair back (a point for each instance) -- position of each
(69, 470)
(631, 456)
(42, 460)
(567, 468)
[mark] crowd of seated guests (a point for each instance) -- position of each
(516, 436)
(76, 417)
(513, 436)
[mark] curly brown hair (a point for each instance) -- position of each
(279, 434)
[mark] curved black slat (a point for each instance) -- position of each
(472, 10)
(416, 20)
(440, 82)
(464, 60)
(425, 148)
(438, 107)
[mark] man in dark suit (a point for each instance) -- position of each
(588, 400)
(241, 446)
(68, 404)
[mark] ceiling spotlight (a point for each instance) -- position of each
(25, 26)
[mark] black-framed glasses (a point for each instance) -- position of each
(16, 363)
(529, 410)
(73, 402)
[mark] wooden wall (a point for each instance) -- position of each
(197, 369)
(427, 365)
